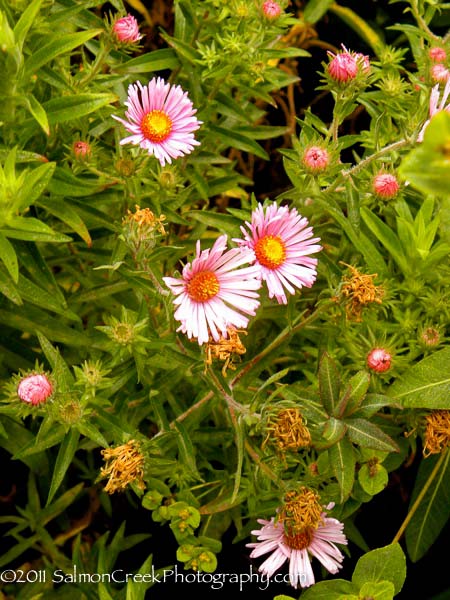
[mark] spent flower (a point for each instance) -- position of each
(161, 119)
(282, 242)
(214, 290)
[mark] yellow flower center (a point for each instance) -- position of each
(270, 251)
(299, 541)
(203, 286)
(156, 126)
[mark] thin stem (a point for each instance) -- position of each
(257, 459)
(421, 496)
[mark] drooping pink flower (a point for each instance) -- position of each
(297, 549)
(34, 389)
(385, 185)
(316, 159)
(271, 9)
(436, 106)
(161, 120)
(126, 30)
(282, 243)
(440, 73)
(214, 290)
(379, 360)
(437, 54)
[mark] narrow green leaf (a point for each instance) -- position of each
(92, 433)
(25, 22)
(223, 223)
(186, 449)
(329, 384)
(150, 62)
(65, 183)
(9, 289)
(68, 215)
(334, 430)
(232, 138)
(61, 372)
(353, 394)
(36, 183)
(383, 564)
(37, 111)
(343, 460)
(33, 293)
(372, 403)
(426, 384)
(434, 510)
(9, 257)
(61, 504)
(315, 9)
(67, 108)
(59, 45)
(263, 132)
(17, 550)
(30, 257)
(239, 437)
(367, 435)
(63, 461)
(387, 237)
(34, 230)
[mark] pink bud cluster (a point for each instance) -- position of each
(271, 9)
(126, 30)
(385, 186)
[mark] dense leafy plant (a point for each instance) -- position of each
(166, 336)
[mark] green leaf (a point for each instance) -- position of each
(353, 394)
(25, 22)
(382, 590)
(186, 450)
(367, 435)
(329, 384)
(9, 289)
(387, 237)
(66, 453)
(337, 589)
(61, 372)
(434, 510)
(67, 108)
(334, 430)
(235, 139)
(239, 439)
(372, 403)
(34, 294)
(68, 215)
(36, 182)
(434, 153)
(33, 230)
(223, 223)
(373, 478)
(9, 257)
(426, 384)
(383, 564)
(60, 44)
(315, 9)
(343, 460)
(37, 111)
(157, 60)
(65, 183)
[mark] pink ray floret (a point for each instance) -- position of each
(436, 106)
(214, 290)
(161, 119)
(282, 242)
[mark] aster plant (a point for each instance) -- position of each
(224, 297)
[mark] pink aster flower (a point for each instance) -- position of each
(161, 120)
(34, 389)
(297, 549)
(213, 291)
(436, 106)
(282, 243)
(271, 9)
(126, 30)
(385, 185)
(379, 360)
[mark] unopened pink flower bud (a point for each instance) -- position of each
(343, 67)
(81, 149)
(440, 74)
(34, 389)
(385, 185)
(316, 159)
(271, 9)
(126, 30)
(379, 360)
(437, 54)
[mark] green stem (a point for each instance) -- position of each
(421, 496)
